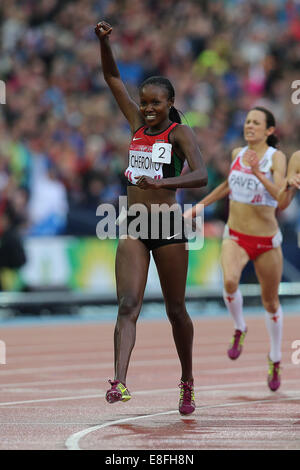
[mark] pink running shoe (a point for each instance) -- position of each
(118, 392)
(236, 344)
(274, 375)
(187, 398)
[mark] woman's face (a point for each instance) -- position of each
(255, 127)
(154, 104)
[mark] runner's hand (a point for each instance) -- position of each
(193, 211)
(145, 182)
(294, 181)
(252, 159)
(103, 29)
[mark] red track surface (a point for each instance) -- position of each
(53, 386)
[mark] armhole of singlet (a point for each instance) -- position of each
(174, 126)
(239, 154)
(138, 129)
(269, 156)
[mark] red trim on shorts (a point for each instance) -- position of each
(253, 245)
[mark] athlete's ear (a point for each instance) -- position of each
(171, 102)
(270, 130)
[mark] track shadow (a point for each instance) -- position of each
(183, 428)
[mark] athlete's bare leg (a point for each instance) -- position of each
(172, 264)
(268, 268)
(132, 263)
(233, 259)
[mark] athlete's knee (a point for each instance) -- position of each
(129, 306)
(231, 285)
(176, 311)
(270, 305)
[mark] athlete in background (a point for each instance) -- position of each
(256, 175)
(149, 183)
(292, 182)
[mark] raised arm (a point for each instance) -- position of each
(291, 183)
(112, 77)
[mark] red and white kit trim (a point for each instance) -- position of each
(253, 245)
(245, 187)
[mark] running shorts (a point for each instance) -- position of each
(253, 245)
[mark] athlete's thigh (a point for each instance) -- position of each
(268, 268)
(132, 264)
(172, 264)
(233, 259)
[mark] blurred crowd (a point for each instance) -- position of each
(63, 141)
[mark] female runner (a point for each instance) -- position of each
(256, 175)
(292, 182)
(152, 183)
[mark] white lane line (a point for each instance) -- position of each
(45, 400)
(14, 387)
(96, 380)
(60, 356)
(202, 389)
(139, 363)
(55, 348)
(72, 442)
(48, 382)
(212, 420)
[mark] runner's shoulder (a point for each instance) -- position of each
(235, 152)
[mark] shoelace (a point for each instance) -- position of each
(274, 369)
(238, 337)
(113, 383)
(185, 391)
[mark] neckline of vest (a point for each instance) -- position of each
(265, 155)
(158, 133)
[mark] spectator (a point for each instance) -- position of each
(48, 206)
(223, 58)
(12, 254)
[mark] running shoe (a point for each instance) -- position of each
(118, 392)
(187, 398)
(236, 344)
(274, 375)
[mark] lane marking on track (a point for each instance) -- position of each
(163, 354)
(45, 400)
(72, 442)
(198, 389)
(202, 389)
(138, 363)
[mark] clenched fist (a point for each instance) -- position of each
(103, 29)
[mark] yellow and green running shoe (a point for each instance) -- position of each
(187, 398)
(117, 392)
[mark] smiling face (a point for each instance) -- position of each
(255, 127)
(155, 105)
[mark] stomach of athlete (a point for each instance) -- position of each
(148, 197)
(259, 221)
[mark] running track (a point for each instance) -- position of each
(54, 382)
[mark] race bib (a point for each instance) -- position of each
(141, 164)
(161, 152)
